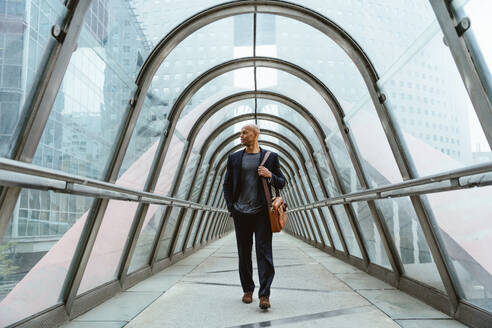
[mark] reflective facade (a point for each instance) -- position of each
(380, 112)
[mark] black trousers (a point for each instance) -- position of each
(259, 224)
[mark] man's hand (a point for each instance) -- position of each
(264, 172)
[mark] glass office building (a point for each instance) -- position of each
(117, 116)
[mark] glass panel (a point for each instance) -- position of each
(385, 29)
(146, 239)
(182, 233)
(277, 81)
(348, 233)
(226, 113)
(204, 200)
(333, 230)
(374, 151)
(213, 91)
(92, 101)
(326, 173)
(312, 50)
(194, 230)
(104, 261)
(342, 162)
(370, 235)
(216, 43)
(463, 219)
(319, 195)
(314, 214)
(144, 141)
(168, 234)
(204, 218)
(408, 237)
(161, 18)
(110, 242)
(37, 251)
(25, 44)
(428, 100)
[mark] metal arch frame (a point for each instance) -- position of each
(267, 117)
(354, 260)
(137, 109)
(214, 183)
(216, 171)
(209, 234)
(431, 246)
(295, 193)
(302, 192)
(296, 107)
(294, 70)
(284, 161)
(235, 136)
(192, 88)
(365, 67)
(284, 165)
(303, 75)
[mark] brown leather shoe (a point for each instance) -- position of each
(248, 297)
(264, 302)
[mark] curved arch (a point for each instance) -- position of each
(200, 81)
(266, 95)
(288, 159)
(342, 39)
(284, 165)
(311, 120)
(193, 87)
(288, 155)
(167, 213)
(281, 8)
(222, 161)
(222, 127)
(204, 219)
(267, 117)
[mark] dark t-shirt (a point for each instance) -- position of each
(249, 199)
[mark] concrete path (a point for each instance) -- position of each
(310, 289)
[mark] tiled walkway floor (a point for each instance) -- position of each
(310, 289)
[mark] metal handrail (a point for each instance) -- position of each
(479, 175)
(20, 174)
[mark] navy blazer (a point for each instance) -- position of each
(232, 178)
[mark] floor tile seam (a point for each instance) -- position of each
(273, 288)
(200, 263)
(362, 296)
(158, 297)
(144, 308)
(305, 317)
(434, 319)
(75, 320)
(256, 268)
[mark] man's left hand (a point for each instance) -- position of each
(264, 172)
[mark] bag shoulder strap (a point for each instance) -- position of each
(264, 182)
(265, 158)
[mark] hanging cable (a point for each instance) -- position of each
(254, 67)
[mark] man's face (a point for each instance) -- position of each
(248, 136)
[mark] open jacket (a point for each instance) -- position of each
(232, 180)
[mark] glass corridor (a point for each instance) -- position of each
(117, 116)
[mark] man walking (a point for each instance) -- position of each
(247, 204)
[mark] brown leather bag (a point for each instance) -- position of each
(276, 205)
